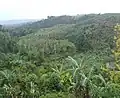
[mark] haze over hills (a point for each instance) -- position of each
(19, 21)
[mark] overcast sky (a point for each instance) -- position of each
(37, 9)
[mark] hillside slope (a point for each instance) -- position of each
(108, 19)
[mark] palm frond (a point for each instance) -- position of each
(73, 61)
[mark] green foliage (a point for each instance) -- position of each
(46, 47)
(66, 60)
(7, 43)
(58, 95)
(92, 37)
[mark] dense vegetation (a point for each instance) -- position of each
(61, 57)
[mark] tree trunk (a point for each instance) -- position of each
(87, 92)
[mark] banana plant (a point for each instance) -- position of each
(82, 81)
(65, 75)
(6, 80)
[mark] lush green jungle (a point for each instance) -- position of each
(61, 57)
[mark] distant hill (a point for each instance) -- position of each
(16, 22)
(32, 26)
(108, 19)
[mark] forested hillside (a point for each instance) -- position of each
(103, 19)
(61, 57)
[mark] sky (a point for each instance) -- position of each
(39, 9)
